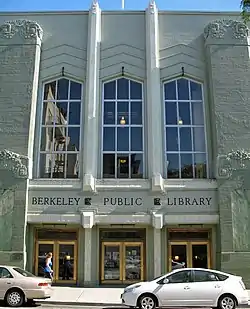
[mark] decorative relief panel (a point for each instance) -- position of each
(218, 29)
(14, 163)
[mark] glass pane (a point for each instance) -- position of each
(46, 165)
(204, 276)
(108, 139)
(62, 89)
(122, 89)
(136, 139)
(60, 167)
(109, 113)
(61, 113)
(122, 166)
(185, 139)
(74, 113)
(50, 91)
(60, 138)
(75, 91)
(199, 139)
(72, 165)
(122, 139)
(173, 165)
(73, 140)
(199, 256)
(66, 262)
(184, 113)
(180, 276)
(111, 262)
(122, 113)
(109, 91)
(133, 263)
(200, 165)
(48, 113)
(136, 165)
(135, 91)
(136, 112)
(182, 85)
(197, 113)
(171, 139)
(43, 250)
(170, 91)
(195, 89)
(186, 166)
(109, 166)
(47, 139)
(178, 256)
(171, 113)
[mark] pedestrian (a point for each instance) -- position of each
(48, 271)
(66, 267)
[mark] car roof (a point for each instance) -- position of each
(205, 269)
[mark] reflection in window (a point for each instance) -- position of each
(186, 154)
(60, 132)
(122, 140)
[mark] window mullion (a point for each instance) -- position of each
(191, 128)
(178, 128)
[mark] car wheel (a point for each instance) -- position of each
(227, 302)
(14, 298)
(147, 302)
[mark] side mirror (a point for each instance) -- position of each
(165, 281)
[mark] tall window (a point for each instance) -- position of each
(60, 132)
(122, 139)
(185, 131)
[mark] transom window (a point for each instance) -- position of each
(122, 140)
(185, 141)
(60, 132)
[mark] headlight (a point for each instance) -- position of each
(132, 288)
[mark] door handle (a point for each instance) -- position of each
(8, 282)
(217, 286)
(186, 288)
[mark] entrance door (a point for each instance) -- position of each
(122, 262)
(189, 254)
(64, 259)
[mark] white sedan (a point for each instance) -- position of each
(17, 286)
(188, 287)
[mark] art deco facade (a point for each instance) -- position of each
(124, 134)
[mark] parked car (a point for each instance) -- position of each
(18, 286)
(188, 287)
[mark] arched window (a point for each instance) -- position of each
(122, 138)
(60, 131)
(185, 140)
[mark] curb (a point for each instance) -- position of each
(75, 303)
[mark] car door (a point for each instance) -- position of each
(205, 289)
(6, 280)
(176, 290)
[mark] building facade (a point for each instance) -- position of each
(130, 127)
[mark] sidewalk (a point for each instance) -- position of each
(87, 296)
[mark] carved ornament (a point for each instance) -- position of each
(26, 28)
(218, 28)
(14, 163)
(152, 7)
(94, 6)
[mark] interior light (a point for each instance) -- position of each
(122, 121)
(180, 122)
(123, 161)
(176, 257)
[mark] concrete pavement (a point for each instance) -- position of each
(87, 296)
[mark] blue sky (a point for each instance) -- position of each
(37, 5)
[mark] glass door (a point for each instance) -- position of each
(42, 249)
(133, 262)
(200, 255)
(66, 261)
(111, 262)
(178, 255)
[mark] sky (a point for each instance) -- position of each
(48, 5)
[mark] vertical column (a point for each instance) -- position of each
(227, 54)
(154, 101)
(87, 223)
(20, 49)
(91, 147)
(157, 222)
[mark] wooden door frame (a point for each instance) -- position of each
(114, 244)
(43, 242)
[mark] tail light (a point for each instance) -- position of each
(242, 284)
(43, 284)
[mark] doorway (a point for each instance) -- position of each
(62, 251)
(122, 262)
(189, 254)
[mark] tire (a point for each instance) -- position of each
(147, 302)
(14, 298)
(227, 302)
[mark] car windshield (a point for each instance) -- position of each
(23, 272)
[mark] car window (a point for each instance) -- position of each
(23, 272)
(180, 277)
(204, 276)
(4, 273)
